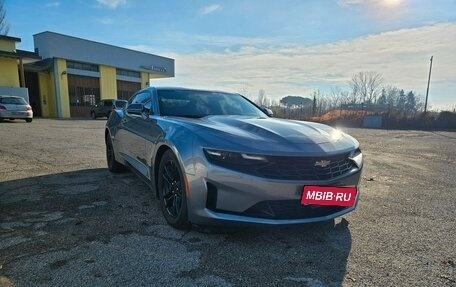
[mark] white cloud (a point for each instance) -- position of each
(344, 3)
(373, 3)
(402, 57)
(112, 3)
(210, 9)
(53, 4)
(106, 21)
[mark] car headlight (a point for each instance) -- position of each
(225, 158)
(357, 157)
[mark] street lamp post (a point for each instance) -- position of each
(427, 90)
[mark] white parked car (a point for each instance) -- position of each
(12, 107)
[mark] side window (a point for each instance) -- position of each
(139, 98)
(107, 103)
(148, 107)
(151, 105)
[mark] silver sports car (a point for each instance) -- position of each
(216, 158)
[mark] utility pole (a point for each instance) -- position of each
(427, 90)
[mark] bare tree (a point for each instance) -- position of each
(262, 99)
(321, 103)
(392, 95)
(352, 97)
(4, 27)
(366, 87)
(336, 97)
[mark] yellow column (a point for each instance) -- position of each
(61, 83)
(108, 82)
(145, 78)
(47, 95)
(9, 76)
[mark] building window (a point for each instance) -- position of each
(84, 92)
(126, 89)
(128, 73)
(82, 66)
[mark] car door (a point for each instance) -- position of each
(152, 131)
(131, 135)
(99, 109)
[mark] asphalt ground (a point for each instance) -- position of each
(65, 220)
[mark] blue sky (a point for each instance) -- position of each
(283, 47)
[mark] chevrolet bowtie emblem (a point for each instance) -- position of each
(322, 163)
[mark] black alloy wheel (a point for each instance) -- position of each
(113, 164)
(171, 191)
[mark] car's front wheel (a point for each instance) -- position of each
(93, 115)
(171, 191)
(113, 164)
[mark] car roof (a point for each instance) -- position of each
(189, 89)
(6, 96)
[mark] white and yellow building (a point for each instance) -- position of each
(66, 75)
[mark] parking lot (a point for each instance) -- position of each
(66, 221)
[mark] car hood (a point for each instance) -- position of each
(268, 134)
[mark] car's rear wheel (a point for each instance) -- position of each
(28, 120)
(93, 115)
(171, 191)
(108, 114)
(113, 164)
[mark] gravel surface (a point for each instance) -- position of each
(66, 221)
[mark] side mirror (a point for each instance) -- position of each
(267, 111)
(138, 109)
(120, 104)
(135, 109)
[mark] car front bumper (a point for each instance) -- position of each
(229, 198)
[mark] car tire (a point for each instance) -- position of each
(93, 115)
(113, 165)
(108, 114)
(28, 120)
(172, 192)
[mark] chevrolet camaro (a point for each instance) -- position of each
(214, 157)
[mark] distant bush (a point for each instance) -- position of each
(349, 118)
(446, 120)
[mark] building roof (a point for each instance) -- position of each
(54, 45)
(4, 37)
(26, 56)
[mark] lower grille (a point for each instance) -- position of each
(289, 209)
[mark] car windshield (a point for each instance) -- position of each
(197, 104)
(12, 101)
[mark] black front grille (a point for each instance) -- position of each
(289, 209)
(295, 168)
